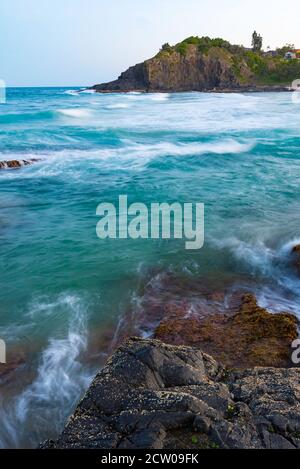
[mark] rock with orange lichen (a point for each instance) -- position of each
(250, 337)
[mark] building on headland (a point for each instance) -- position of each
(271, 53)
(290, 55)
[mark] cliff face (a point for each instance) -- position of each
(176, 72)
(135, 78)
(153, 395)
(192, 69)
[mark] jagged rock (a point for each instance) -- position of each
(153, 395)
(14, 164)
(250, 337)
(133, 79)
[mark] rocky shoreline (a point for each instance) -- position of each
(212, 381)
(235, 90)
(153, 395)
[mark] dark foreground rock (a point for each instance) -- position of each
(248, 337)
(153, 395)
(15, 164)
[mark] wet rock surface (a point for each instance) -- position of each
(250, 336)
(153, 395)
(224, 321)
(15, 164)
(163, 293)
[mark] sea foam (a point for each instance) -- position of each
(60, 380)
(78, 113)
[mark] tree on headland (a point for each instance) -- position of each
(166, 47)
(287, 48)
(257, 42)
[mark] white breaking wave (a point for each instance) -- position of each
(130, 156)
(118, 106)
(88, 91)
(72, 92)
(185, 149)
(148, 96)
(275, 265)
(75, 112)
(257, 255)
(287, 248)
(159, 96)
(41, 410)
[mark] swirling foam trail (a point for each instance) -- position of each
(275, 264)
(61, 379)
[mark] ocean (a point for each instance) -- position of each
(66, 296)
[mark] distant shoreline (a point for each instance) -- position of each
(247, 89)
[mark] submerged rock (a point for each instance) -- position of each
(153, 395)
(6, 369)
(249, 337)
(14, 164)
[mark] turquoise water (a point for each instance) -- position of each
(63, 291)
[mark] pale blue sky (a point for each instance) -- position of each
(82, 42)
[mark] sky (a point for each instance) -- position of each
(83, 42)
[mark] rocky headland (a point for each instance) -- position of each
(204, 64)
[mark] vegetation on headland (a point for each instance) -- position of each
(206, 64)
(266, 67)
